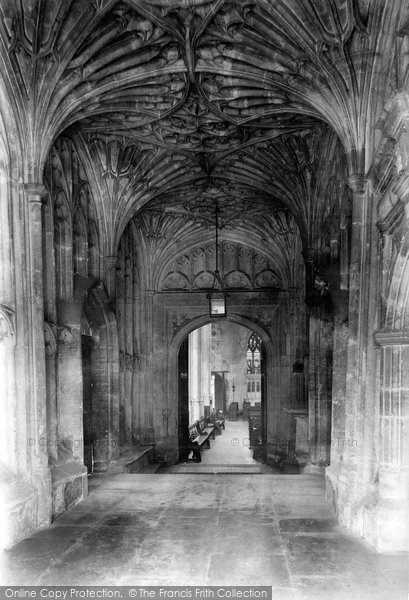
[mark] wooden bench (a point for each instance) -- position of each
(221, 422)
(218, 425)
(200, 434)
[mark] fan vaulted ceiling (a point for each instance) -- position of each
(185, 103)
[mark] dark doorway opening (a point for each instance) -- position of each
(219, 391)
(183, 376)
(213, 376)
(86, 346)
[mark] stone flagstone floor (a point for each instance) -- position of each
(164, 529)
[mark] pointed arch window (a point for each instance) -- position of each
(254, 355)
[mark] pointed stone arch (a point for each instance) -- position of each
(271, 405)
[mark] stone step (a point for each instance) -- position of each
(214, 469)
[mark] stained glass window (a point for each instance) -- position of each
(253, 354)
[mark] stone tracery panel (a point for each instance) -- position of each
(240, 267)
(76, 230)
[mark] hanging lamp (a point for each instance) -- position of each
(217, 296)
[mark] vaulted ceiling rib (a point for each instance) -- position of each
(185, 103)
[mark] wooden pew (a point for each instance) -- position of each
(217, 420)
(200, 434)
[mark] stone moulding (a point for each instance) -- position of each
(391, 338)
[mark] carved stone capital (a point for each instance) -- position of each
(358, 184)
(35, 192)
(110, 262)
(68, 335)
(307, 255)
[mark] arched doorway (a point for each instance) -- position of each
(213, 376)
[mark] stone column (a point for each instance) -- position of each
(353, 445)
(338, 392)
(320, 387)
(128, 335)
(392, 516)
(194, 376)
(147, 407)
(206, 374)
(136, 373)
(150, 357)
(51, 381)
(8, 421)
(70, 395)
(100, 402)
(120, 316)
(36, 409)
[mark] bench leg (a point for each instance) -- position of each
(196, 452)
